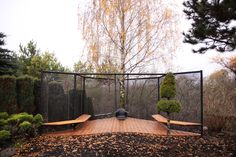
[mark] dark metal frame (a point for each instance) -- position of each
(157, 76)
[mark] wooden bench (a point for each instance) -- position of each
(162, 119)
(80, 119)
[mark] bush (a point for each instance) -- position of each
(169, 106)
(4, 115)
(168, 89)
(88, 108)
(3, 122)
(38, 120)
(37, 94)
(56, 87)
(57, 103)
(25, 127)
(18, 118)
(230, 124)
(75, 98)
(24, 123)
(4, 135)
(213, 124)
(219, 101)
(19, 125)
(25, 94)
(8, 99)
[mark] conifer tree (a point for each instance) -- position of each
(212, 26)
(7, 58)
(167, 104)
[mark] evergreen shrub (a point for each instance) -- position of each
(4, 115)
(168, 92)
(169, 106)
(168, 86)
(8, 96)
(57, 107)
(18, 118)
(3, 122)
(38, 120)
(25, 94)
(37, 94)
(25, 127)
(4, 135)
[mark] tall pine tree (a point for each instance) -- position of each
(213, 24)
(7, 59)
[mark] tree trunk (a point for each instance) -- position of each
(122, 57)
(122, 91)
(168, 124)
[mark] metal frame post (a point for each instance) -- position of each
(74, 95)
(68, 108)
(127, 93)
(158, 87)
(115, 93)
(201, 84)
(83, 97)
(158, 92)
(41, 96)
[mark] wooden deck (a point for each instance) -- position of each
(132, 125)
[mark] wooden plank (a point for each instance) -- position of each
(159, 118)
(80, 119)
(83, 117)
(162, 119)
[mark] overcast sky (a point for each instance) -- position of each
(53, 24)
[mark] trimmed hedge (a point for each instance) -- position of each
(37, 94)
(169, 106)
(75, 100)
(25, 94)
(57, 105)
(20, 94)
(8, 96)
(88, 107)
(168, 89)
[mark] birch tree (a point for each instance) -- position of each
(228, 63)
(132, 34)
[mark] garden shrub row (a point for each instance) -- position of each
(25, 94)
(22, 94)
(8, 96)
(18, 125)
(37, 94)
(57, 105)
(66, 104)
(19, 94)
